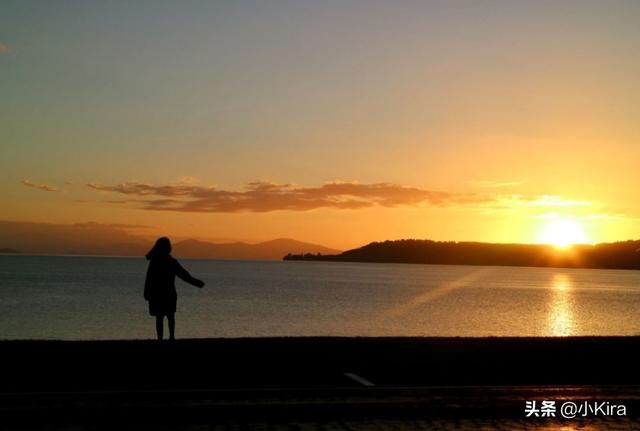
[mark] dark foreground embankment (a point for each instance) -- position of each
(321, 379)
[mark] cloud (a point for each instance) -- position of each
(511, 202)
(188, 181)
(43, 187)
(263, 196)
(553, 201)
(557, 201)
(585, 217)
(495, 184)
(96, 225)
(3, 48)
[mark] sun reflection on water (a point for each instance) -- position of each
(561, 315)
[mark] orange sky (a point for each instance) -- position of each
(337, 123)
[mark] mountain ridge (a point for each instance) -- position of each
(269, 250)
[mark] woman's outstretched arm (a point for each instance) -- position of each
(183, 274)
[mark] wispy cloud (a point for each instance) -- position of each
(584, 217)
(43, 187)
(262, 196)
(188, 181)
(517, 201)
(3, 48)
(485, 184)
(188, 195)
(553, 201)
(557, 201)
(96, 225)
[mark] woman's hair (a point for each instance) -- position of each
(162, 247)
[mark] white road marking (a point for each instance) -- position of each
(357, 378)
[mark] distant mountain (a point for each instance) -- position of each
(9, 251)
(618, 255)
(79, 238)
(271, 250)
(131, 240)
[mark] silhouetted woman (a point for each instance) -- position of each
(160, 288)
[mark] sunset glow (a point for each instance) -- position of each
(563, 233)
(335, 123)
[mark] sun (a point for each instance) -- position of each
(562, 233)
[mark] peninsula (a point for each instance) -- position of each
(617, 255)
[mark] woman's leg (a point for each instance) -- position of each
(159, 325)
(172, 326)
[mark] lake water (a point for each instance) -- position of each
(62, 297)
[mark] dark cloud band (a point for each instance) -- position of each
(260, 196)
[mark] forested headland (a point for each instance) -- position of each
(617, 255)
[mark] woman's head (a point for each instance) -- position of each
(162, 247)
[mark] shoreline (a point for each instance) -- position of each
(425, 338)
(325, 261)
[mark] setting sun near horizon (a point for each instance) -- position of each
(563, 233)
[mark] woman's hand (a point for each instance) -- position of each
(198, 283)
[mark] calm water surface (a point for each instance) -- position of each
(101, 298)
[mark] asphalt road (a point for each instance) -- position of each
(344, 382)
